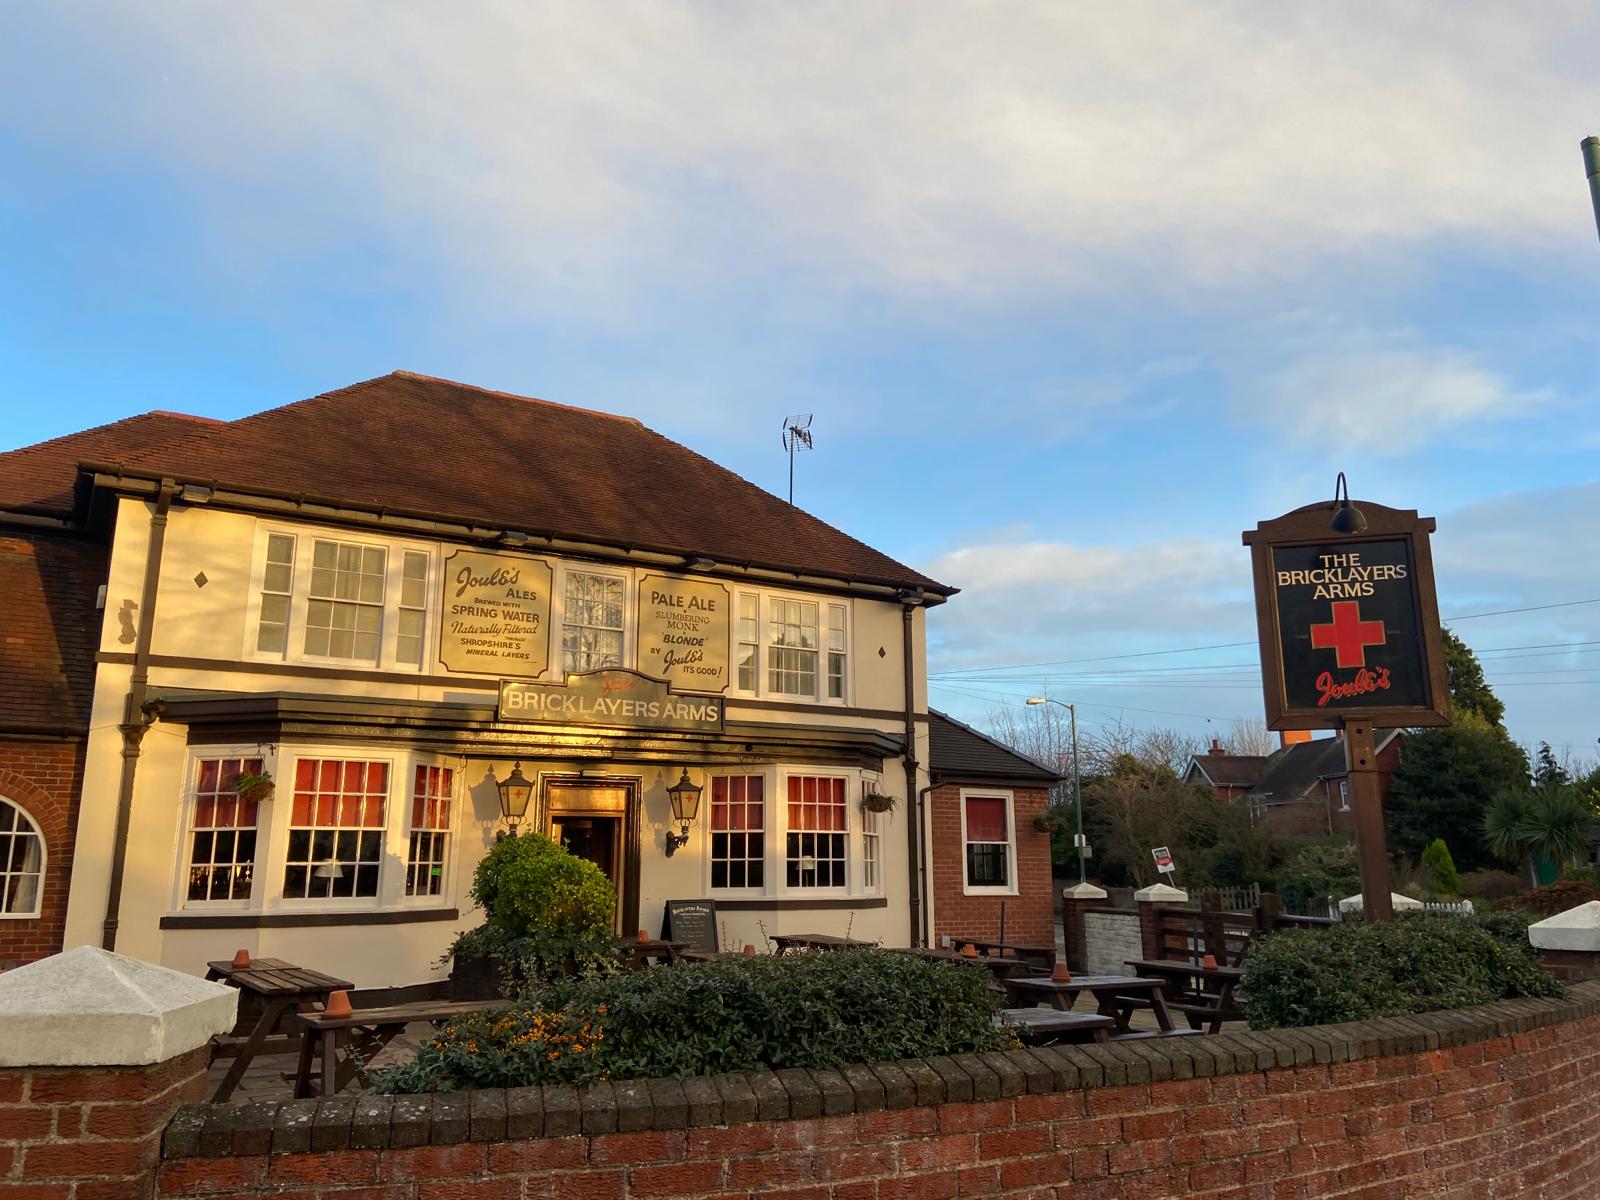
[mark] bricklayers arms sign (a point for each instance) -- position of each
(1349, 624)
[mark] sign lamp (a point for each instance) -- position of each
(685, 797)
(515, 792)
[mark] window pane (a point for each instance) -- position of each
(335, 835)
(986, 819)
(738, 841)
(592, 622)
(222, 839)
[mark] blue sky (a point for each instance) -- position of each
(1074, 294)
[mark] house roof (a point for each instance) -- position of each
(1294, 771)
(418, 446)
(40, 478)
(1231, 770)
(958, 751)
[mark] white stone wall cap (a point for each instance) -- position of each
(1160, 891)
(1083, 891)
(90, 1007)
(1575, 929)
(1396, 900)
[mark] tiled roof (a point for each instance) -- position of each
(1294, 771)
(1232, 770)
(420, 446)
(39, 478)
(957, 751)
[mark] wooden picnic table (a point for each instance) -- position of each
(1040, 956)
(1116, 996)
(997, 965)
(1044, 1026)
(645, 951)
(1204, 995)
(816, 941)
(281, 990)
(361, 1035)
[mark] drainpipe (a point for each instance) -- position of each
(134, 720)
(909, 602)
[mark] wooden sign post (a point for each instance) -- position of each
(1350, 640)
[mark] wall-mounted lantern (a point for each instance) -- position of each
(685, 797)
(515, 792)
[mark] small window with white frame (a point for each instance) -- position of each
(428, 853)
(222, 837)
(791, 647)
(988, 836)
(1344, 795)
(21, 862)
(871, 851)
(339, 598)
(593, 620)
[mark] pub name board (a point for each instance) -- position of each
(1349, 624)
(615, 697)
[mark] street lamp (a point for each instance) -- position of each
(1591, 166)
(1077, 785)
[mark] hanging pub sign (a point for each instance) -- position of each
(683, 632)
(1348, 621)
(614, 697)
(495, 614)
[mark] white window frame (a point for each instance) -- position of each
(44, 864)
(272, 831)
(768, 834)
(558, 614)
(765, 597)
(779, 851)
(395, 550)
(1344, 795)
(1010, 888)
(452, 841)
(186, 830)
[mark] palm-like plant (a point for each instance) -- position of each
(1550, 824)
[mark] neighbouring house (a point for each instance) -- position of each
(1301, 789)
(988, 851)
(396, 596)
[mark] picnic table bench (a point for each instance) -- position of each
(1040, 957)
(274, 991)
(361, 1035)
(816, 941)
(1044, 1026)
(1115, 996)
(1204, 995)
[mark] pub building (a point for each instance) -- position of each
(279, 682)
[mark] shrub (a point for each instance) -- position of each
(1547, 901)
(1417, 963)
(1318, 871)
(1488, 886)
(734, 1014)
(548, 912)
(1441, 868)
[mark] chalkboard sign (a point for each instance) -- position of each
(693, 922)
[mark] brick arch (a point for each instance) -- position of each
(43, 780)
(32, 798)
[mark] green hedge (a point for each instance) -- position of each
(735, 1014)
(1420, 962)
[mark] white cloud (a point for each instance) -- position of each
(984, 149)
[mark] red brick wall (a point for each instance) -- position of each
(90, 1133)
(1028, 914)
(44, 778)
(1508, 1115)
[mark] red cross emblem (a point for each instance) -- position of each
(1348, 635)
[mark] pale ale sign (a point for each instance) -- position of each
(495, 615)
(683, 632)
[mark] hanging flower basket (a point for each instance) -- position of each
(878, 802)
(254, 786)
(1046, 821)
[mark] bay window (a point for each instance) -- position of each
(222, 832)
(428, 852)
(817, 840)
(336, 829)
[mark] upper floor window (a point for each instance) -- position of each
(21, 862)
(342, 599)
(592, 621)
(785, 646)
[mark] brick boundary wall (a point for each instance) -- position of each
(1486, 1101)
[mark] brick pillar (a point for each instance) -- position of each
(1569, 943)
(1151, 901)
(1074, 900)
(97, 1051)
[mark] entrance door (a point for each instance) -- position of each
(599, 820)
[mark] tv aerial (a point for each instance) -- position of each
(796, 437)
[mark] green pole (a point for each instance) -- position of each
(1077, 796)
(1591, 166)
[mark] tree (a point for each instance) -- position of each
(1441, 868)
(1250, 735)
(1469, 691)
(1540, 829)
(1445, 781)
(1547, 772)
(1138, 806)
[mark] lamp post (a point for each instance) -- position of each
(1077, 785)
(1591, 166)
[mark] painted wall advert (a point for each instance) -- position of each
(683, 632)
(496, 614)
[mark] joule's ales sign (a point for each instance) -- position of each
(495, 614)
(1349, 624)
